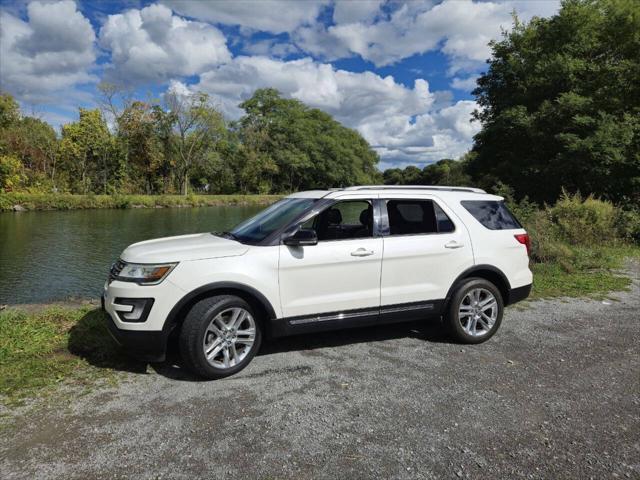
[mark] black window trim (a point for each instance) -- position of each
(386, 227)
(305, 217)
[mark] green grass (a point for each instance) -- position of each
(592, 273)
(40, 350)
(62, 201)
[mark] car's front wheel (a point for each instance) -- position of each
(475, 311)
(220, 336)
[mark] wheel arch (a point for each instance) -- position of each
(253, 297)
(488, 272)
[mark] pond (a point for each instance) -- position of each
(51, 256)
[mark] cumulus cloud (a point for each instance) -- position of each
(460, 29)
(400, 122)
(51, 52)
(153, 44)
(361, 11)
(467, 84)
(266, 15)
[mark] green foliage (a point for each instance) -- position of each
(9, 110)
(560, 104)
(11, 173)
(444, 172)
(584, 222)
(287, 146)
(88, 152)
(183, 144)
(628, 225)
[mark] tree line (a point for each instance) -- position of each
(182, 144)
(559, 109)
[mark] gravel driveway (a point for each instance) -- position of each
(555, 394)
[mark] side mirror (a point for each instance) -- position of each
(303, 237)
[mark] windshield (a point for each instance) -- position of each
(271, 219)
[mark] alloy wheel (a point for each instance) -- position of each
(229, 337)
(478, 312)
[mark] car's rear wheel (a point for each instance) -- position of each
(474, 313)
(220, 336)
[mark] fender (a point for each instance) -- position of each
(469, 272)
(172, 318)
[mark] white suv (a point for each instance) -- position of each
(321, 260)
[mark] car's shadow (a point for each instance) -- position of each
(90, 340)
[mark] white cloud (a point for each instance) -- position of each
(152, 44)
(266, 15)
(271, 48)
(362, 11)
(401, 123)
(460, 29)
(467, 84)
(52, 52)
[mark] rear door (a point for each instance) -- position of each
(426, 248)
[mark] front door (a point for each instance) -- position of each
(337, 280)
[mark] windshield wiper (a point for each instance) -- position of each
(229, 235)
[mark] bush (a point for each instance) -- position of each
(628, 225)
(584, 222)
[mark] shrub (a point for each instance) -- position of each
(584, 222)
(628, 225)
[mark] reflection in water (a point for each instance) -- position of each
(47, 256)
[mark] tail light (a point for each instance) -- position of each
(523, 238)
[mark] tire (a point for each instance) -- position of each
(208, 328)
(468, 323)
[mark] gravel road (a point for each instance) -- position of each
(555, 394)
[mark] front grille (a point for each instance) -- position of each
(116, 268)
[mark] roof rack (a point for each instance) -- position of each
(416, 187)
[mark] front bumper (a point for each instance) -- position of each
(148, 346)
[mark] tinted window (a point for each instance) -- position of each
(343, 221)
(407, 217)
(271, 219)
(445, 225)
(492, 214)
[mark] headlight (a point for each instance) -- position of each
(142, 273)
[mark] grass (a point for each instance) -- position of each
(62, 201)
(40, 350)
(594, 273)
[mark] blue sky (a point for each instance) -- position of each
(401, 73)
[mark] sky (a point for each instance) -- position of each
(401, 73)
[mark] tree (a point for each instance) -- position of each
(560, 104)
(291, 146)
(446, 172)
(197, 125)
(88, 150)
(137, 130)
(9, 110)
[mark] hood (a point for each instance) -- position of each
(181, 248)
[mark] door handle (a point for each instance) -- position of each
(362, 252)
(453, 244)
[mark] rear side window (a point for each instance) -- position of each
(411, 217)
(492, 214)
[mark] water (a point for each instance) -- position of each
(49, 256)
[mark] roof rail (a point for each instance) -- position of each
(416, 187)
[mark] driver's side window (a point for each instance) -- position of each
(343, 220)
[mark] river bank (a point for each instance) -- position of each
(18, 202)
